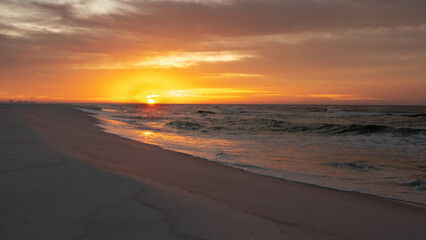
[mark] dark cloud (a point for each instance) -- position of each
(172, 18)
(162, 25)
(272, 17)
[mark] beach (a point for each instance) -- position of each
(62, 177)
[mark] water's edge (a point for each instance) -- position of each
(101, 124)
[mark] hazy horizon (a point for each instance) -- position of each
(144, 103)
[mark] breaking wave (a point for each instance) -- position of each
(360, 165)
(185, 125)
(418, 184)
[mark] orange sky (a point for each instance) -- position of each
(213, 51)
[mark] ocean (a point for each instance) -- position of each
(378, 150)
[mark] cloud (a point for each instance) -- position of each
(186, 59)
(173, 60)
(224, 18)
(273, 42)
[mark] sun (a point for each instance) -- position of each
(150, 99)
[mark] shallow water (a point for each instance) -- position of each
(371, 149)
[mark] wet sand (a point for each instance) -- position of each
(64, 178)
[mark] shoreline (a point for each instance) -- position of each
(99, 124)
(203, 199)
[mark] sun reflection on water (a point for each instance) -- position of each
(146, 133)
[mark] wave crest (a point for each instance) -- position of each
(184, 125)
(360, 166)
(328, 128)
(418, 184)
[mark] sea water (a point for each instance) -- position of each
(378, 150)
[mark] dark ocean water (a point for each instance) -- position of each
(378, 150)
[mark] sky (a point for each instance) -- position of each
(214, 51)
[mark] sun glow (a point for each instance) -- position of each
(195, 95)
(150, 99)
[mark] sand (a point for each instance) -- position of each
(61, 177)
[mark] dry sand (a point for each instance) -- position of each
(53, 185)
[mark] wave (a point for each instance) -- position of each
(354, 129)
(414, 115)
(139, 117)
(333, 110)
(110, 110)
(356, 111)
(254, 125)
(375, 114)
(418, 184)
(223, 155)
(243, 166)
(184, 125)
(233, 111)
(359, 114)
(366, 129)
(328, 128)
(204, 112)
(360, 165)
